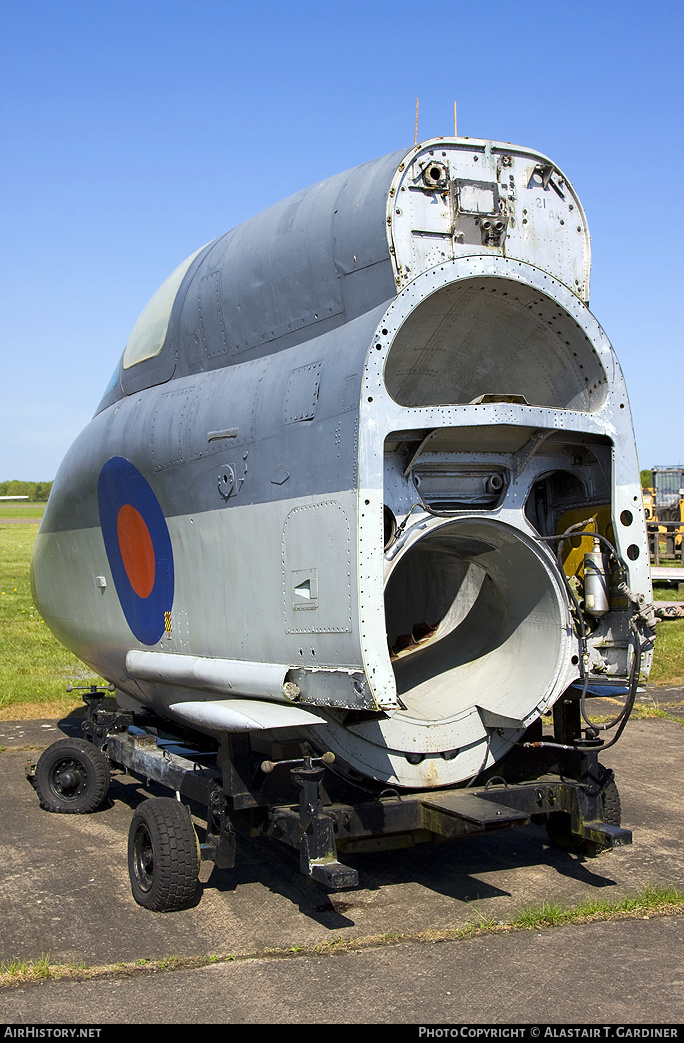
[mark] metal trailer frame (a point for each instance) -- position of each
(557, 781)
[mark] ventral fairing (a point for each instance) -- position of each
(364, 485)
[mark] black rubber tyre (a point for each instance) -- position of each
(163, 855)
(558, 824)
(72, 777)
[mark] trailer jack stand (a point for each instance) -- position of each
(316, 840)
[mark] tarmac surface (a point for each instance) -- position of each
(64, 891)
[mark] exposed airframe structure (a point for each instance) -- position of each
(365, 477)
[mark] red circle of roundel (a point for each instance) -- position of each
(137, 551)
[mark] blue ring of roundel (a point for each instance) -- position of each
(119, 484)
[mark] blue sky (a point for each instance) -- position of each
(132, 133)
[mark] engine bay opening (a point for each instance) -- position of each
(490, 337)
(474, 616)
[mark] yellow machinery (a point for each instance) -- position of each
(664, 505)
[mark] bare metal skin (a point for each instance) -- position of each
(327, 487)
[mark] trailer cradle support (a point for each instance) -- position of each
(542, 779)
(313, 832)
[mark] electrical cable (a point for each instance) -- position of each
(400, 528)
(578, 529)
(626, 711)
(634, 682)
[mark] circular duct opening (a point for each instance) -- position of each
(473, 617)
(476, 623)
(493, 337)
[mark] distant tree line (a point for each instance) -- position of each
(37, 492)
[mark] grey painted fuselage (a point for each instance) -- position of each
(331, 475)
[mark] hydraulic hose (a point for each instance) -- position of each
(624, 714)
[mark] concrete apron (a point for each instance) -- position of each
(65, 888)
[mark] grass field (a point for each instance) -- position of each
(668, 665)
(35, 669)
(21, 511)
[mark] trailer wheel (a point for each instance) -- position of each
(558, 825)
(72, 777)
(163, 855)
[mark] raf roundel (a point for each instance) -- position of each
(138, 547)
